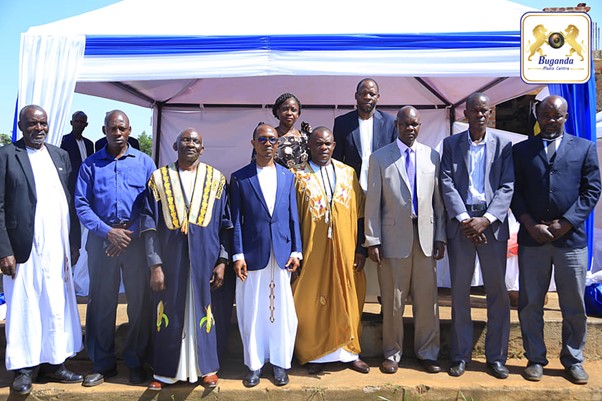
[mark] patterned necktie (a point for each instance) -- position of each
(551, 149)
(411, 170)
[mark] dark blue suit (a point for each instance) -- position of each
(69, 143)
(346, 133)
(568, 187)
(256, 232)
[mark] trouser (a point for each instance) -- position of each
(105, 275)
(535, 272)
(492, 258)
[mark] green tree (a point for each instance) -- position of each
(146, 143)
(5, 139)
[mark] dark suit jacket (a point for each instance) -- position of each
(499, 180)
(103, 141)
(568, 187)
(18, 199)
(255, 232)
(347, 136)
(69, 143)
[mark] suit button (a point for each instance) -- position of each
(553, 171)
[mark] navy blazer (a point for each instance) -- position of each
(568, 187)
(346, 133)
(256, 232)
(18, 199)
(69, 143)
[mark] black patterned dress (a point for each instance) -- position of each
(292, 150)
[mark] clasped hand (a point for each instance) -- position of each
(474, 229)
(119, 239)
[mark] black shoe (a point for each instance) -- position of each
(498, 370)
(457, 369)
(252, 378)
(280, 376)
(577, 374)
(60, 375)
(315, 368)
(22, 384)
(533, 372)
(96, 378)
(138, 376)
(430, 365)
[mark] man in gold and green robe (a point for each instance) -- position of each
(330, 291)
(186, 225)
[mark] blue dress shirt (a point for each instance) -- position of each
(110, 191)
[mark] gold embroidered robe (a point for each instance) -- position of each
(329, 295)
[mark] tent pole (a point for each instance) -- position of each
(158, 139)
(452, 119)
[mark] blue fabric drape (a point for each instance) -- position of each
(97, 45)
(581, 100)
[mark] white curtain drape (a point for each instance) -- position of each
(48, 71)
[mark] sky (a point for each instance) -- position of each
(17, 16)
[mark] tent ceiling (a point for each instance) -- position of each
(326, 91)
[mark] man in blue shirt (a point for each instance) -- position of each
(109, 195)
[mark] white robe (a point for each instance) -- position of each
(42, 323)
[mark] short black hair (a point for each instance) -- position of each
(281, 99)
(357, 88)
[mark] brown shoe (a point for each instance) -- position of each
(430, 365)
(209, 381)
(360, 366)
(155, 385)
(388, 366)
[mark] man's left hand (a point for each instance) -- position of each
(359, 262)
(292, 264)
(217, 278)
(474, 226)
(438, 250)
(558, 227)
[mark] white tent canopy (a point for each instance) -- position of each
(219, 65)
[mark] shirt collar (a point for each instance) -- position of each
(402, 146)
(471, 142)
(105, 152)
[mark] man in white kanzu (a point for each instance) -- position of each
(266, 250)
(42, 321)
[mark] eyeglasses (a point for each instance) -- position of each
(264, 139)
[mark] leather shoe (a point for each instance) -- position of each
(457, 369)
(497, 370)
(155, 385)
(96, 378)
(280, 376)
(533, 372)
(389, 366)
(360, 366)
(252, 378)
(314, 368)
(430, 366)
(210, 381)
(60, 375)
(577, 374)
(22, 384)
(138, 375)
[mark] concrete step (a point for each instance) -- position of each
(336, 384)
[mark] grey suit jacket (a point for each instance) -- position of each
(388, 207)
(499, 180)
